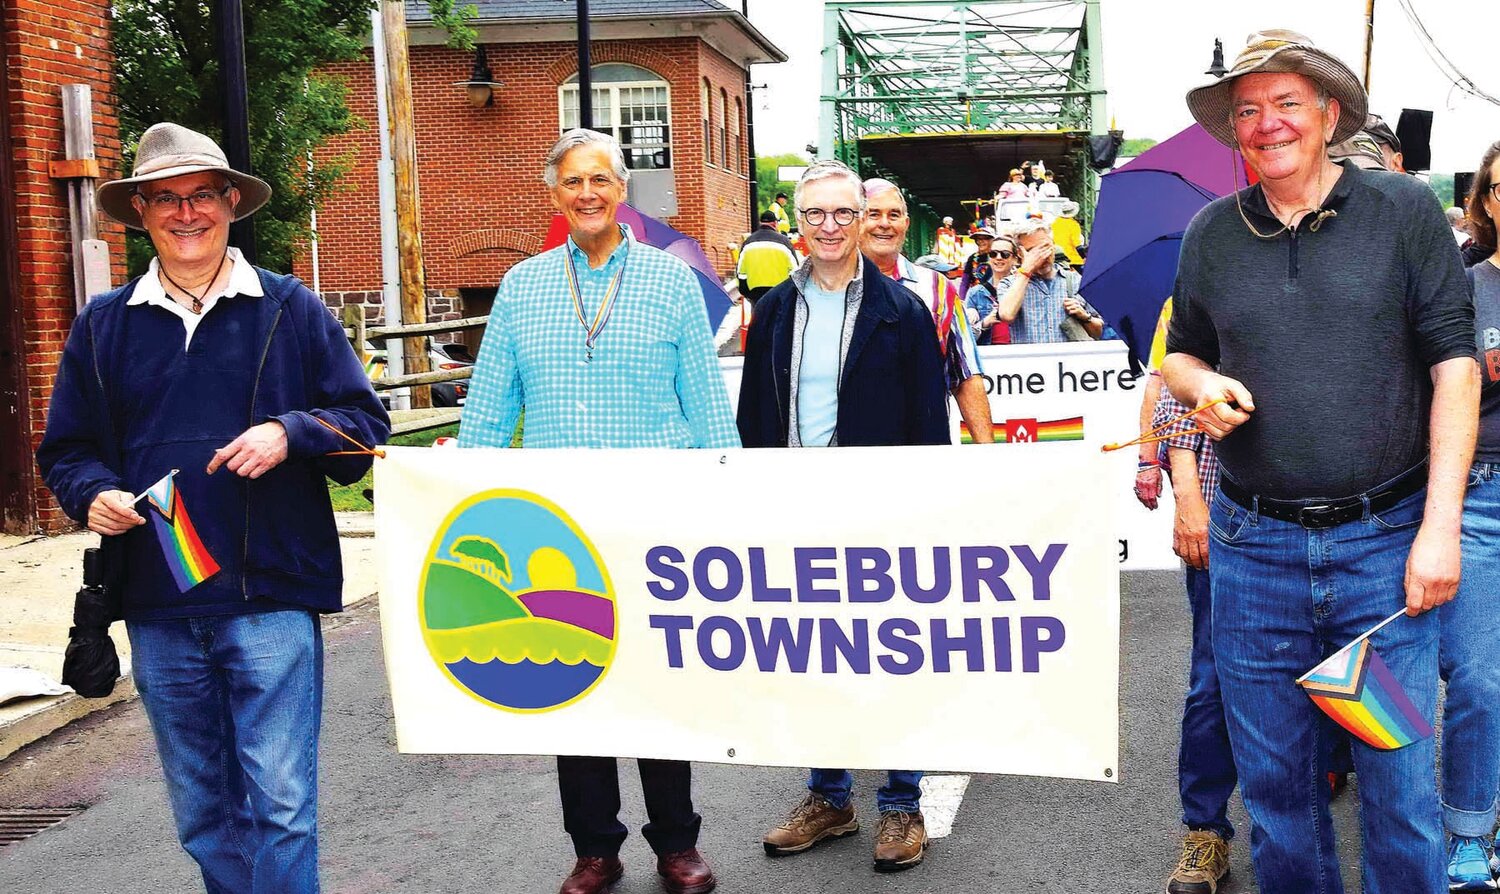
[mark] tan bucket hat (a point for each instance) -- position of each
(170, 150)
(1279, 50)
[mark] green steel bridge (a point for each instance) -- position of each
(944, 97)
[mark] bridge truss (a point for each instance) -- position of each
(962, 88)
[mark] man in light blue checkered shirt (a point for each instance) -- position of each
(638, 371)
(1039, 298)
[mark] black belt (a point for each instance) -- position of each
(1328, 513)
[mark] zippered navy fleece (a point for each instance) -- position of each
(130, 404)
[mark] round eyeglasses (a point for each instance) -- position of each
(841, 216)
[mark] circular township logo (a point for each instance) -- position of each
(515, 604)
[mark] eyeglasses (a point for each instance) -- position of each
(1002, 254)
(841, 216)
(202, 201)
(1495, 191)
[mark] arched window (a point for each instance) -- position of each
(632, 104)
(723, 131)
(708, 132)
(736, 146)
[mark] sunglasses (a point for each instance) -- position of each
(1002, 254)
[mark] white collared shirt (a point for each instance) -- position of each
(242, 281)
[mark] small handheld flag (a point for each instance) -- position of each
(187, 557)
(1355, 688)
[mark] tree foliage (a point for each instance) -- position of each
(167, 69)
(1132, 148)
(767, 186)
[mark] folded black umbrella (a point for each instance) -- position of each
(90, 664)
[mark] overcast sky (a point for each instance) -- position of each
(1155, 50)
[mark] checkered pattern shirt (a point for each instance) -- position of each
(1039, 321)
(1184, 435)
(961, 354)
(654, 380)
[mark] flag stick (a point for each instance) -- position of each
(148, 490)
(1363, 636)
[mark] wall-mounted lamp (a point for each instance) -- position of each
(1217, 68)
(480, 87)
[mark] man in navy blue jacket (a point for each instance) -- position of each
(839, 356)
(236, 378)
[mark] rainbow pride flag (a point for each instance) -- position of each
(1356, 689)
(1015, 431)
(186, 556)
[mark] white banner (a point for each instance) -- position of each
(837, 608)
(1073, 391)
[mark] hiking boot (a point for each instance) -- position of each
(900, 841)
(1203, 864)
(1469, 864)
(810, 822)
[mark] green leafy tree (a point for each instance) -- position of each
(167, 69)
(767, 186)
(1132, 148)
(1442, 184)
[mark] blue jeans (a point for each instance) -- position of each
(234, 703)
(902, 789)
(1284, 598)
(1205, 765)
(1469, 658)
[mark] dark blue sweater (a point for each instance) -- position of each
(130, 405)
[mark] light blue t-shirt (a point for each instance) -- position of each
(818, 376)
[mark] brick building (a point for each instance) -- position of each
(668, 80)
(44, 45)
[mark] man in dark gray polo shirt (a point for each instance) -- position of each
(1328, 304)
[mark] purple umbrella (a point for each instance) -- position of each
(1144, 207)
(653, 232)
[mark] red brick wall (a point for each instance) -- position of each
(50, 44)
(484, 206)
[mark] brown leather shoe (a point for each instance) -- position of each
(685, 872)
(810, 822)
(592, 875)
(900, 841)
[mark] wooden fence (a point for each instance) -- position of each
(403, 421)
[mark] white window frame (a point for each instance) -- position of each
(614, 89)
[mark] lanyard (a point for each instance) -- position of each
(591, 331)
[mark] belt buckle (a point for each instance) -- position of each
(1317, 516)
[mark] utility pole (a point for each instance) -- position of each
(585, 70)
(235, 96)
(750, 135)
(1369, 39)
(408, 205)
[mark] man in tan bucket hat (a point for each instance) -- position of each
(1326, 313)
(219, 390)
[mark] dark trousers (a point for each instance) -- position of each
(590, 788)
(1205, 766)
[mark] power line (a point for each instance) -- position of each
(1441, 60)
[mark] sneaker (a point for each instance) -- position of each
(1469, 864)
(1203, 864)
(810, 822)
(900, 841)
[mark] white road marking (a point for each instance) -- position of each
(941, 797)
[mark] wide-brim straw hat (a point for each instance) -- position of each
(1279, 50)
(170, 150)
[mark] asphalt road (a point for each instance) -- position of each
(434, 824)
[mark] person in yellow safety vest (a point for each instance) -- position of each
(778, 208)
(766, 258)
(947, 243)
(1067, 235)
